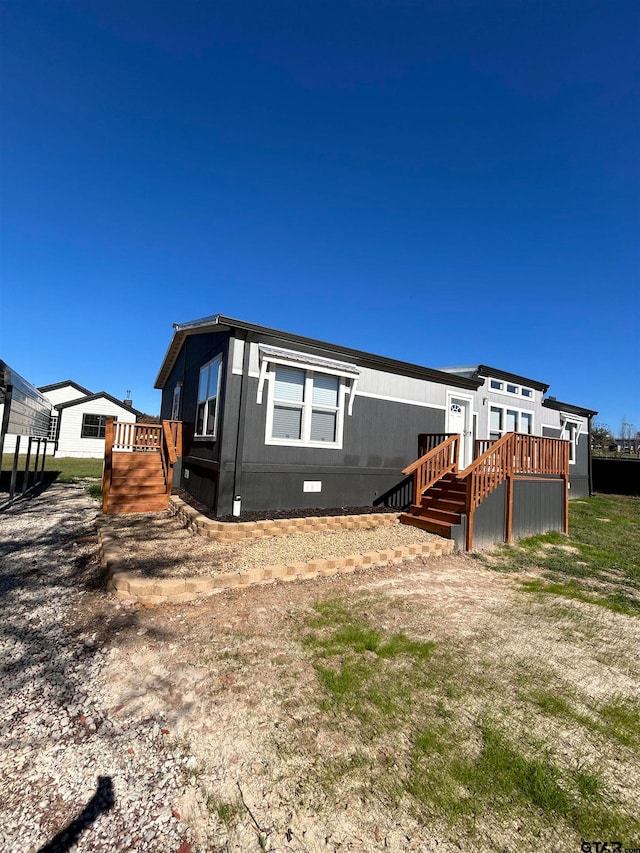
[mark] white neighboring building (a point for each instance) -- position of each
(78, 420)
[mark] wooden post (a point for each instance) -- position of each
(108, 462)
(469, 512)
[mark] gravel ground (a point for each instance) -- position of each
(157, 544)
(73, 775)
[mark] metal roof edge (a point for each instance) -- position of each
(407, 368)
(558, 405)
(485, 370)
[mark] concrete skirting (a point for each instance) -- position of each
(223, 531)
(127, 584)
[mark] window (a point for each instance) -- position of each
(175, 404)
(93, 426)
(570, 434)
(305, 407)
(53, 427)
(502, 420)
(208, 388)
(510, 388)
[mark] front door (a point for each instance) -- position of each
(459, 420)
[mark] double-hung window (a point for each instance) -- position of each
(208, 391)
(306, 407)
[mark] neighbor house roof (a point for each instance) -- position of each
(218, 322)
(65, 384)
(99, 395)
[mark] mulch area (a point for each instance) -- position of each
(275, 514)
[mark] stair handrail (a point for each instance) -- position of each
(488, 471)
(514, 453)
(433, 466)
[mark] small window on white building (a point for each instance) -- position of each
(93, 426)
(208, 390)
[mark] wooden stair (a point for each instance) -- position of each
(441, 507)
(137, 483)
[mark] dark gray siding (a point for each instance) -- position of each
(579, 471)
(489, 519)
(201, 458)
(538, 507)
(380, 439)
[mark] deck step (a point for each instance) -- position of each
(449, 504)
(147, 504)
(441, 528)
(131, 490)
(436, 514)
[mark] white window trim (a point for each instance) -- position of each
(306, 407)
(573, 444)
(209, 436)
(177, 401)
(520, 412)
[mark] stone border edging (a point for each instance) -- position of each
(224, 531)
(127, 584)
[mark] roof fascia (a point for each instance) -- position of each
(97, 396)
(559, 406)
(65, 384)
(227, 323)
(485, 370)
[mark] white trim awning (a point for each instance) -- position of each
(304, 360)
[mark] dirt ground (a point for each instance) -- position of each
(232, 682)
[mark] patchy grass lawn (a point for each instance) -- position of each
(66, 469)
(472, 742)
(62, 470)
(437, 705)
(598, 563)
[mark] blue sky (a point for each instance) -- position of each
(446, 182)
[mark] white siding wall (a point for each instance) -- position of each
(70, 442)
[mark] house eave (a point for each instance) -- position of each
(559, 406)
(218, 322)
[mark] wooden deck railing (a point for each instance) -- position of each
(428, 440)
(434, 465)
(480, 445)
(164, 438)
(513, 455)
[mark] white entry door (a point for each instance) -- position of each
(459, 420)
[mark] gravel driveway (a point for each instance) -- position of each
(73, 776)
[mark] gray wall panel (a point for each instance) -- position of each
(489, 519)
(538, 507)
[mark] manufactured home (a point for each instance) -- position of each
(272, 420)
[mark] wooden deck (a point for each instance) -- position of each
(443, 494)
(138, 465)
